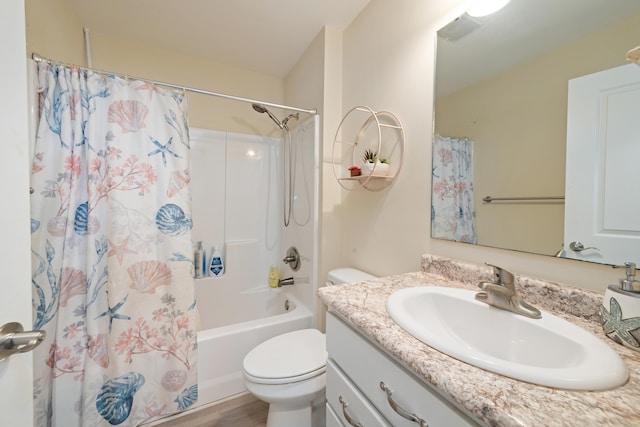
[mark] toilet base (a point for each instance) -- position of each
(307, 416)
(293, 404)
(281, 416)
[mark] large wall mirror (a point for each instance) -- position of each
(502, 117)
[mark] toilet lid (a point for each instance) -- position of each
(289, 355)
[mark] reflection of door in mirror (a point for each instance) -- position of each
(603, 153)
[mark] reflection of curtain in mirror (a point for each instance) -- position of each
(452, 211)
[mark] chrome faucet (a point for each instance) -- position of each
(502, 294)
(285, 282)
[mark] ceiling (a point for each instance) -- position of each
(267, 36)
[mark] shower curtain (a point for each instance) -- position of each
(111, 251)
(452, 208)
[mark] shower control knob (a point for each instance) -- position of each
(292, 258)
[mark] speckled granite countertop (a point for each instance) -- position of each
(491, 398)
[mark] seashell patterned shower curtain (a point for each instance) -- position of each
(111, 251)
(453, 213)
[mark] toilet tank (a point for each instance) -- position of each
(347, 275)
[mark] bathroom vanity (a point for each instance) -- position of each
(370, 354)
(365, 385)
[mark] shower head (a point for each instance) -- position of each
(262, 109)
(259, 108)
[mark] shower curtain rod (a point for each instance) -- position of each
(36, 57)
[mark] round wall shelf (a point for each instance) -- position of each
(364, 133)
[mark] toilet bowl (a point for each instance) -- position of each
(288, 371)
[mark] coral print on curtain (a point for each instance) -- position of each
(453, 211)
(111, 251)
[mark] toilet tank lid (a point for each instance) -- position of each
(348, 275)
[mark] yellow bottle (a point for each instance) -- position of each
(273, 276)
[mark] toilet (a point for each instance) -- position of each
(288, 371)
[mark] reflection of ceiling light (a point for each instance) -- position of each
(486, 7)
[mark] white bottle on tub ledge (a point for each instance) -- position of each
(216, 264)
(198, 261)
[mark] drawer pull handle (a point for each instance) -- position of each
(401, 411)
(350, 420)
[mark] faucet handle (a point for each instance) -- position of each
(502, 276)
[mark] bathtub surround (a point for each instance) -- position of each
(482, 393)
(246, 216)
(237, 205)
(112, 252)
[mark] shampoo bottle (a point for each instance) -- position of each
(198, 261)
(216, 265)
(273, 276)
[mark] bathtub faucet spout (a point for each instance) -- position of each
(285, 282)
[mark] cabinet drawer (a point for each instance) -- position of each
(353, 404)
(332, 418)
(367, 367)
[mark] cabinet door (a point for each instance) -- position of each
(348, 403)
(367, 367)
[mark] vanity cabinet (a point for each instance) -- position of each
(369, 387)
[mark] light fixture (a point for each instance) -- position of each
(486, 7)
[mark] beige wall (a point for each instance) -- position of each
(53, 30)
(520, 140)
(388, 64)
(62, 39)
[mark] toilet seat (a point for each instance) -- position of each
(291, 357)
(285, 380)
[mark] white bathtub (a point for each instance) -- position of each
(234, 323)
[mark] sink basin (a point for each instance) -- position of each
(549, 351)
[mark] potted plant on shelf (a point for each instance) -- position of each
(374, 164)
